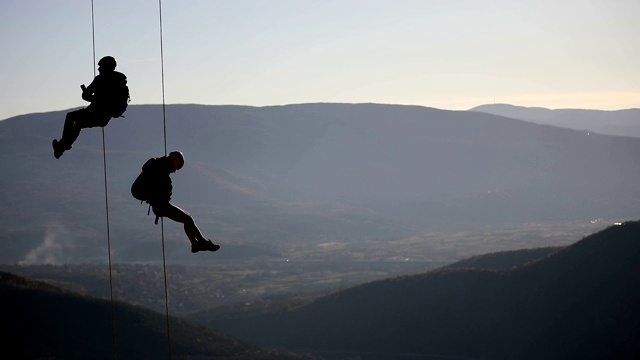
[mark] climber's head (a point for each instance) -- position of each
(178, 159)
(107, 63)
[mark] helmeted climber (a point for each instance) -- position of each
(109, 96)
(154, 186)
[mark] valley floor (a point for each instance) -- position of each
(303, 270)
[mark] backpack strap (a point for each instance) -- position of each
(149, 212)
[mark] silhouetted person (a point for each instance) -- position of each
(154, 186)
(109, 96)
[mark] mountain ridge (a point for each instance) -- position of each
(279, 173)
(608, 122)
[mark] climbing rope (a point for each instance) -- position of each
(164, 127)
(104, 158)
(106, 201)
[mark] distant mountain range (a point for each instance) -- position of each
(576, 302)
(40, 321)
(301, 173)
(619, 122)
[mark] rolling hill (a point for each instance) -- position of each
(301, 173)
(581, 301)
(44, 322)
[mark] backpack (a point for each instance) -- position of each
(140, 191)
(140, 187)
(152, 183)
(120, 101)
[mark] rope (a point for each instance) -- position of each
(93, 39)
(164, 127)
(106, 201)
(164, 113)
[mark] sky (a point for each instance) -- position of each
(447, 54)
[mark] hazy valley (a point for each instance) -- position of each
(576, 301)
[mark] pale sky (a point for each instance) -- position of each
(448, 54)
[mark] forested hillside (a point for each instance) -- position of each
(41, 321)
(581, 301)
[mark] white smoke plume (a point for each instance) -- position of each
(50, 251)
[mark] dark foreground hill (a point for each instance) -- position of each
(43, 322)
(579, 302)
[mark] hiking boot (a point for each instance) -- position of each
(57, 148)
(204, 245)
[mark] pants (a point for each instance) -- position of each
(176, 214)
(81, 119)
